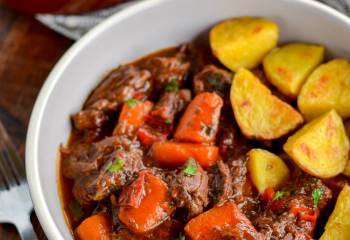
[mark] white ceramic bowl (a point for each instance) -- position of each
(138, 30)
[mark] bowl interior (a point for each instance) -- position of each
(141, 29)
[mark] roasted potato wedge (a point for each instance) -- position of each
(346, 171)
(243, 42)
(321, 147)
(266, 169)
(288, 67)
(328, 87)
(338, 224)
(347, 167)
(259, 114)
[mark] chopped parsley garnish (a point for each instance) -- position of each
(172, 86)
(75, 209)
(207, 130)
(168, 122)
(316, 195)
(132, 102)
(214, 80)
(278, 195)
(181, 236)
(191, 167)
(116, 165)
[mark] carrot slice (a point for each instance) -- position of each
(200, 121)
(132, 116)
(268, 194)
(175, 154)
(305, 213)
(144, 204)
(221, 222)
(96, 227)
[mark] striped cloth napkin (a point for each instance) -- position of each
(75, 26)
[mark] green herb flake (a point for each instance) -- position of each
(214, 80)
(116, 165)
(172, 86)
(208, 130)
(278, 195)
(75, 210)
(168, 122)
(132, 102)
(316, 195)
(181, 236)
(191, 167)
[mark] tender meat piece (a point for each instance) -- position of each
(166, 69)
(90, 119)
(190, 191)
(212, 79)
(120, 85)
(84, 188)
(294, 215)
(230, 140)
(160, 121)
(170, 229)
(284, 227)
(169, 104)
(83, 159)
(223, 183)
(117, 171)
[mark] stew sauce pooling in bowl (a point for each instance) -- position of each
(178, 146)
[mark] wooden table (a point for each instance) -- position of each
(28, 51)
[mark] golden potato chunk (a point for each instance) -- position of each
(347, 167)
(288, 67)
(321, 147)
(328, 87)
(346, 171)
(338, 224)
(259, 114)
(266, 169)
(243, 42)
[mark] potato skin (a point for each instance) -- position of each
(243, 42)
(328, 87)
(347, 167)
(320, 147)
(288, 67)
(259, 114)
(338, 224)
(266, 169)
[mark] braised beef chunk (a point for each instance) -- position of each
(293, 214)
(212, 79)
(230, 140)
(169, 104)
(82, 159)
(170, 68)
(160, 121)
(84, 188)
(120, 85)
(189, 188)
(222, 183)
(117, 171)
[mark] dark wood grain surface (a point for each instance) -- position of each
(28, 51)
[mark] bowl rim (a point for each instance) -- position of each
(35, 186)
